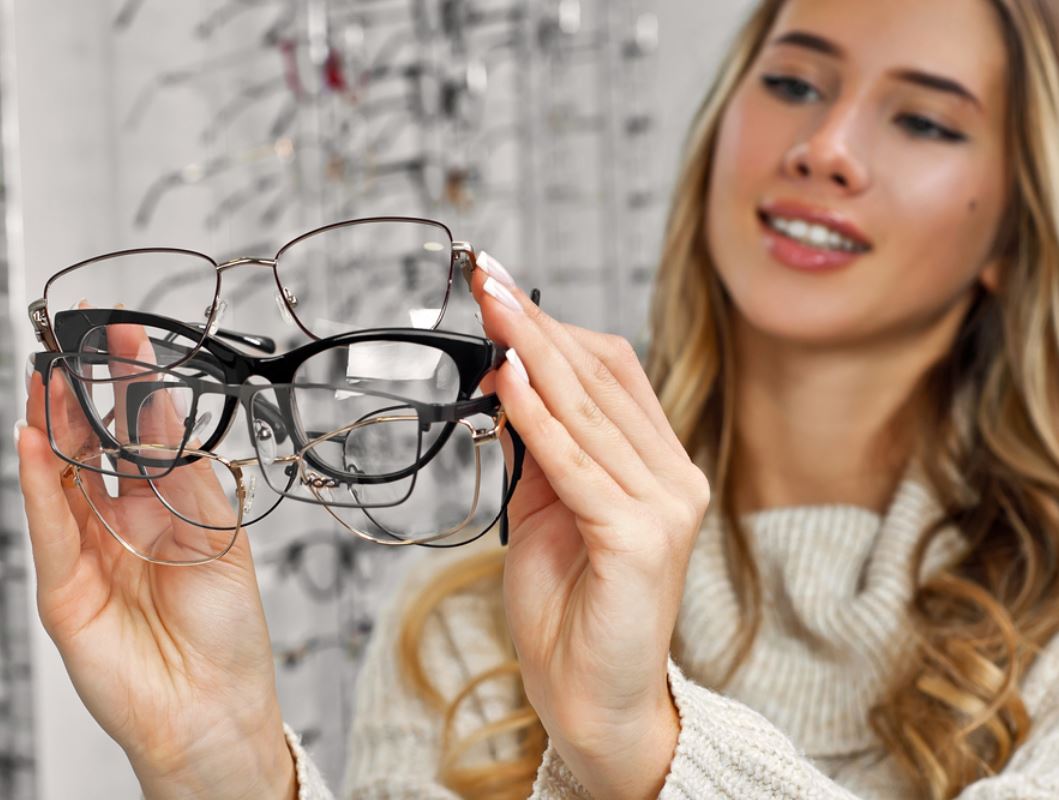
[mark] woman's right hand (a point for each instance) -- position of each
(173, 662)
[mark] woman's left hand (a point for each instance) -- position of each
(601, 530)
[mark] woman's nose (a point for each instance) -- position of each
(827, 153)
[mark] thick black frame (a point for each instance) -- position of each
(474, 357)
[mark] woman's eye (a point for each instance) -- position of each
(924, 128)
(793, 89)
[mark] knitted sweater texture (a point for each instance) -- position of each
(793, 723)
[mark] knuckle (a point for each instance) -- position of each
(600, 371)
(701, 488)
(589, 411)
(544, 428)
(622, 350)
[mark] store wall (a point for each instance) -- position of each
(62, 180)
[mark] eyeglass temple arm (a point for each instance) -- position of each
(467, 260)
(518, 457)
(80, 321)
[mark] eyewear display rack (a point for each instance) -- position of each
(527, 125)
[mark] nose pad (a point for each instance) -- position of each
(352, 452)
(265, 442)
(249, 487)
(282, 305)
(221, 310)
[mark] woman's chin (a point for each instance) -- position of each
(803, 324)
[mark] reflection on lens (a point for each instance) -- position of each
(153, 519)
(407, 370)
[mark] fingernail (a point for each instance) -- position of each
(29, 371)
(494, 288)
(516, 362)
(20, 425)
(490, 266)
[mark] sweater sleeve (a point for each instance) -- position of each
(726, 749)
(311, 784)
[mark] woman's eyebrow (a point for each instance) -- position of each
(818, 44)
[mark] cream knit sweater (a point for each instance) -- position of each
(793, 723)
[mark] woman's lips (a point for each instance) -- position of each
(791, 209)
(804, 257)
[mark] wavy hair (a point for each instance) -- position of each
(987, 419)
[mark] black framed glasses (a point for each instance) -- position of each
(374, 272)
(96, 400)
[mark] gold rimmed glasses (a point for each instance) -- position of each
(152, 519)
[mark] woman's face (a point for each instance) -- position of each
(882, 122)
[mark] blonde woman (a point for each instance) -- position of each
(855, 336)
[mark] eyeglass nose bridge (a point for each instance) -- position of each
(247, 261)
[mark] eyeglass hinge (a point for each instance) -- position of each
(463, 252)
(485, 435)
(39, 318)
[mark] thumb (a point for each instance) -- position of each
(54, 534)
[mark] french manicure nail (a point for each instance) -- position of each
(494, 288)
(516, 363)
(490, 266)
(20, 425)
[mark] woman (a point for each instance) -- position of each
(856, 334)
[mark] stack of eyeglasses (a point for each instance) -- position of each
(387, 429)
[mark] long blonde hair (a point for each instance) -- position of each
(955, 715)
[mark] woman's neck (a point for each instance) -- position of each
(817, 426)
